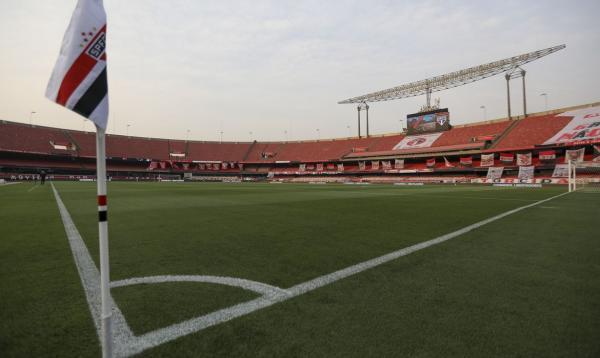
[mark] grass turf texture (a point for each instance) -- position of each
(526, 285)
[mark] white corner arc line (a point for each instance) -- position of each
(127, 344)
(261, 288)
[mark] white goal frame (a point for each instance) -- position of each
(575, 183)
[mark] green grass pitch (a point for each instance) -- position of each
(527, 285)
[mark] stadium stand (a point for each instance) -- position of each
(531, 131)
(27, 148)
(16, 137)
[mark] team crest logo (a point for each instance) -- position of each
(441, 120)
(416, 141)
(96, 50)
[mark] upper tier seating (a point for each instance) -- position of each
(314, 151)
(177, 146)
(137, 147)
(18, 137)
(85, 141)
(463, 135)
(531, 131)
(227, 151)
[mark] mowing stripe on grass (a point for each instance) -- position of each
(127, 344)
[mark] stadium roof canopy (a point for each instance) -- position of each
(452, 79)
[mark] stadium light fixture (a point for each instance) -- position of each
(452, 79)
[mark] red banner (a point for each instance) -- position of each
(466, 160)
(507, 157)
(547, 155)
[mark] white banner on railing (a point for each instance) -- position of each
(575, 155)
(494, 173)
(561, 171)
(526, 172)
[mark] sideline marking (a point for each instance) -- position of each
(90, 280)
(127, 344)
(10, 183)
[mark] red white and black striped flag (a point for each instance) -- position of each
(78, 81)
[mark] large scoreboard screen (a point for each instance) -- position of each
(427, 122)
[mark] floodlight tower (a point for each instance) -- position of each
(510, 75)
(511, 67)
(363, 106)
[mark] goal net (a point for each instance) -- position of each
(584, 176)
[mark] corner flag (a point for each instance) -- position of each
(79, 83)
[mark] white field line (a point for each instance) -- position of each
(10, 183)
(32, 188)
(90, 279)
(127, 344)
(258, 287)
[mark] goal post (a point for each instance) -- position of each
(583, 175)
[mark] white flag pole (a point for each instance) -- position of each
(106, 314)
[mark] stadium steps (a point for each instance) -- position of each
(245, 157)
(278, 149)
(504, 134)
(374, 143)
(71, 139)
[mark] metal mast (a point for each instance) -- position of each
(458, 78)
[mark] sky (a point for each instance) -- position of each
(275, 70)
